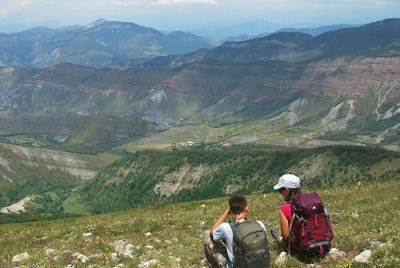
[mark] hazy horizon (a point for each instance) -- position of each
(187, 15)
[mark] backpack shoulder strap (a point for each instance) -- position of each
(291, 234)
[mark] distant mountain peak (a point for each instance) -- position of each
(385, 22)
(95, 23)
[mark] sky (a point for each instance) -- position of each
(18, 15)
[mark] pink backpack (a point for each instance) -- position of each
(310, 227)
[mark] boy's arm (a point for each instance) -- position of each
(220, 220)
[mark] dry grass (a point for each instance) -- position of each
(360, 216)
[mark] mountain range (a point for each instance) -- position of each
(99, 44)
(284, 88)
(287, 89)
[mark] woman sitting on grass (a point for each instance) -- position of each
(288, 186)
(305, 226)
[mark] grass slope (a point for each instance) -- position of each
(361, 216)
(150, 177)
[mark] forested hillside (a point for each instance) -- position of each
(150, 177)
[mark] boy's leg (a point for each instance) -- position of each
(215, 252)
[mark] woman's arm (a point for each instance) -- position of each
(284, 225)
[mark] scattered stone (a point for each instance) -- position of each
(355, 215)
(70, 266)
(364, 256)
(147, 234)
(120, 247)
(20, 257)
(87, 234)
(149, 246)
(203, 205)
(281, 258)
(40, 238)
(128, 251)
(121, 265)
(336, 253)
(123, 249)
(146, 263)
(95, 256)
(114, 256)
(56, 258)
(82, 258)
(51, 251)
(379, 244)
(313, 265)
(175, 259)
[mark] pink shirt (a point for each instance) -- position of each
(287, 211)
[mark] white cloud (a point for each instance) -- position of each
(131, 3)
(185, 2)
(9, 6)
(191, 14)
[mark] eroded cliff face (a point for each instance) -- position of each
(75, 164)
(352, 76)
(78, 105)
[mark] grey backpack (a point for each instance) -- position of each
(250, 245)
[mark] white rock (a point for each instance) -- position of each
(149, 246)
(95, 256)
(86, 234)
(82, 258)
(121, 265)
(379, 244)
(146, 263)
(51, 251)
(147, 234)
(20, 257)
(128, 251)
(364, 256)
(123, 250)
(70, 266)
(120, 247)
(336, 253)
(281, 258)
(114, 256)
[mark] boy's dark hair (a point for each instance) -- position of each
(237, 204)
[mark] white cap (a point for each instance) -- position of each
(288, 181)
